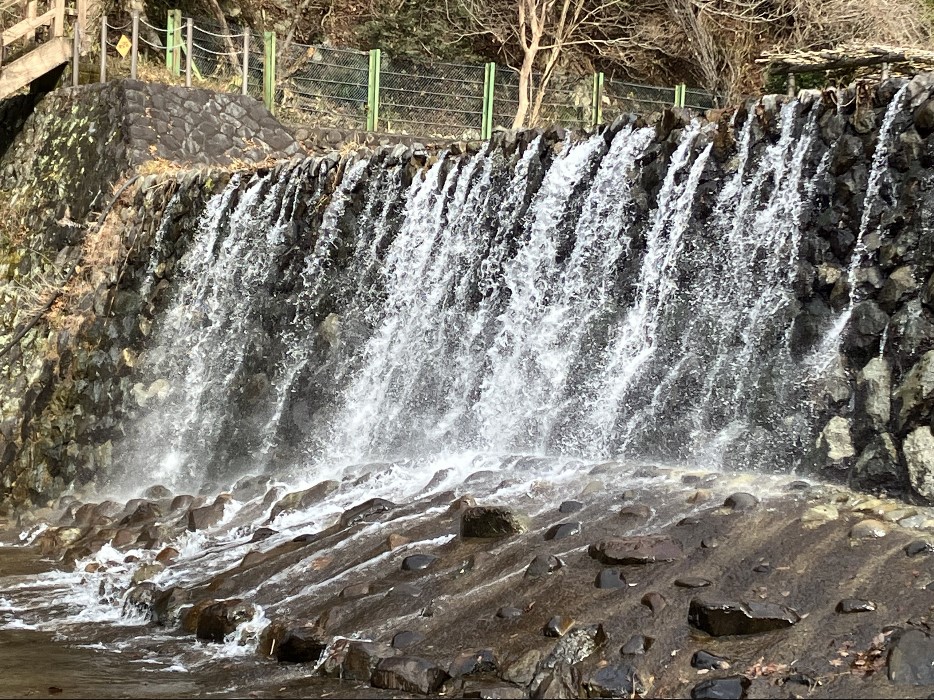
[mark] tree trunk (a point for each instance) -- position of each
(525, 84)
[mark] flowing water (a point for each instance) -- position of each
(519, 316)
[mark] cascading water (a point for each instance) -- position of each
(533, 303)
(521, 324)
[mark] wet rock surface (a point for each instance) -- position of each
(474, 622)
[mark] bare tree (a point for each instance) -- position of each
(539, 32)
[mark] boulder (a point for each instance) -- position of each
(299, 500)
(873, 392)
(470, 662)
(834, 443)
(418, 562)
(542, 565)
(720, 618)
(915, 395)
(610, 578)
(354, 660)
(877, 465)
(409, 674)
(704, 660)
(217, 619)
(899, 284)
(407, 638)
(491, 521)
(300, 645)
(614, 681)
(646, 549)
(741, 501)
(204, 517)
(918, 449)
(729, 688)
(559, 532)
(366, 511)
(911, 659)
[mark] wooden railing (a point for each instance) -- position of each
(34, 51)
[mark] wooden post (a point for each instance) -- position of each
(173, 42)
(81, 6)
(246, 59)
(885, 71)
(134, 49)
(189, 44)
(103, 48)
(269, 71)
(596, 101)
(372, 103)
(791, 85)
(58, 24)
(76, 54)
(31, 12)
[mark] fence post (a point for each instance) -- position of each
(246, 59)
(58, 29)
(269, 71)
(75, 54)
(103, 48)
(372, 95)
(173, 42)
(134, 49)
(489, 81)
(791, 85)
(189, 45)
(596, 101)
(31, 12)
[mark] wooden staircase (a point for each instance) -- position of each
(38, 40)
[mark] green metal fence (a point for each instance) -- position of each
(369, 90)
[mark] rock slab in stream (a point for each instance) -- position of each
(720, 618)
(636, 550)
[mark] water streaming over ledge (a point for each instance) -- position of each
(535, 303)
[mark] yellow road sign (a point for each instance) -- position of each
(124, 45)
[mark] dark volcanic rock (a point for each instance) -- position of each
(366, 511)
(542, 565)
(220, 618)
(692, 582)
(705, 660)
(654, 601)
(615, 681)
(911, 659)
(636, 511)
(913, 549)
(719, 618)
(408, 673)
(646, 549)
(730, 688)
(407, 638)
(418, 562)
(855, 605)
(508, 612)
(559, 532)
(262, 534)
(610, 578)
(300, 645)
(480, 661)
(205, 517)
(570, 507)
(741, 501)
(490, 521)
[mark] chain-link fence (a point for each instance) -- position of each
(349, 89)
(324, 85)
(442, 99)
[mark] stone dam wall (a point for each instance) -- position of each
(70, 386)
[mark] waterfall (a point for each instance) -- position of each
(548, 300)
